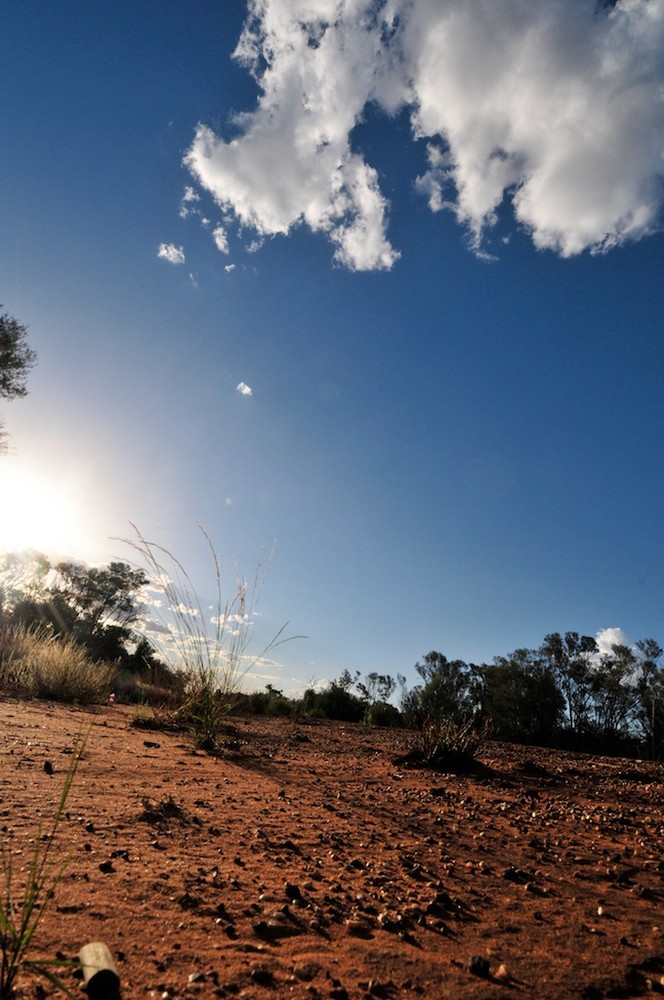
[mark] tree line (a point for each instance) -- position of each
(564, 693)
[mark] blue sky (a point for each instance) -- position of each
(430, 245)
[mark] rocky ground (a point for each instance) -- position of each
(308, 862)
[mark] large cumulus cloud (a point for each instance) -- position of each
(557, 106)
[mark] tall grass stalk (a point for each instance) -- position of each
(23, 905)
(210, 643)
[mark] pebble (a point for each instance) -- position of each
(479, 966)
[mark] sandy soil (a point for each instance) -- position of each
(307, 863)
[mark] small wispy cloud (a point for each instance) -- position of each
(229, 267)
(189, 198)
(244, 389)
(220, 239)
(171, 253)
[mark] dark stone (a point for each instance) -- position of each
(479, 966)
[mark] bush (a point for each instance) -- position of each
(129, 687)
(333, 702)
(448, 744)
(34, 664)
(270, 702)
(381, 713)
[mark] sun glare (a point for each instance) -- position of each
(37, 511)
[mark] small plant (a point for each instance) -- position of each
(448, 743)
(22, 906)
(209, 645)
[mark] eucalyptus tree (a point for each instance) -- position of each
(16, 360)
(570, 657)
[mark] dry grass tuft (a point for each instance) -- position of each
(34, 664)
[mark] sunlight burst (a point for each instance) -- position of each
(37, 511)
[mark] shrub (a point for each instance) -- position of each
(382, 713)
(446, 743)
(270, 702)
(333, 702)
(129, 687)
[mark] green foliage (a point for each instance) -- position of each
(564, 693)
(95, 606)
(445, 694)
(650, 709)
(520, 698)
(383, 713)
(334, 701)
(271, 702)
(23, 903)
(615, 695)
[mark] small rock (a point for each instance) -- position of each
(357, 927)
(479, 966)
(307, 971)
(293, 892)
(262, 975)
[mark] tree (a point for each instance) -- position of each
(23, 577)
(520, 698)
(569, 657)
(93, 605)
(445, 693)
(615, 697)
(650, 687)
(16, 360)
(103, 603)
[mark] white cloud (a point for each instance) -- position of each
(557, 106)
(171, 253)
(220, 239)
(607, 638)
(188, 199)
(244, 389)
(229, 267)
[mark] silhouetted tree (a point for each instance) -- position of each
(445, 693)
(615, 696)
(520, 698)
(93, 605)
(16, 360)
(570, 658)
(650, 688)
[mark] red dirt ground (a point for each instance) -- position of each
(307, 863)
